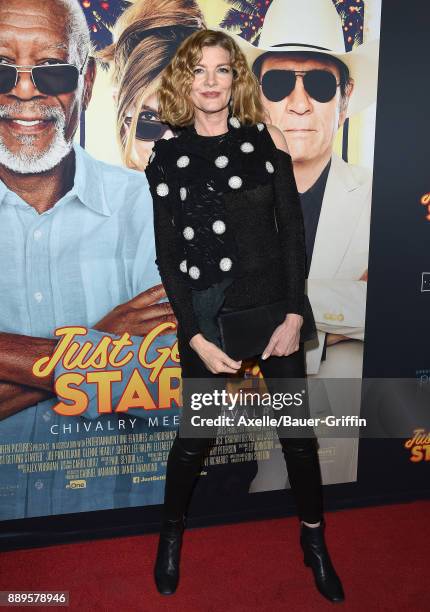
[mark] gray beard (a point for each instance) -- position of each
(28, 160)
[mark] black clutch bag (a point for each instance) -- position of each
(246, 333)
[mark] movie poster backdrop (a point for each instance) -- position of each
(59, 464)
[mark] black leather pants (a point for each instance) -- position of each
(301, 457)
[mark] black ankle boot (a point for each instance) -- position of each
(166, 570)
(316, 556)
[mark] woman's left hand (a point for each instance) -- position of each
(286, 337)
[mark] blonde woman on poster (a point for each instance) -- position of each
(146, 40)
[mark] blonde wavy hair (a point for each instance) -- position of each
(146, 38)
(175, 105)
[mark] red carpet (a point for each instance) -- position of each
(381, 554)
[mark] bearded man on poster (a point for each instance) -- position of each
(77, 244)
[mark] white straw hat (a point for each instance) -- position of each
(315, 25)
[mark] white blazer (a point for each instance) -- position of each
(340, 257)
(338, 301)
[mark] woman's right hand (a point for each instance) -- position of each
(213, 357)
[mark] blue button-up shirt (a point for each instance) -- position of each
(71, 265)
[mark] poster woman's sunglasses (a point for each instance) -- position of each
(149, 130)
(50, 79)
(320, 85)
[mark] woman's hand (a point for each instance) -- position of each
(213, 357)
(286, 337)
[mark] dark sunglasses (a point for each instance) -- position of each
(51, 79)
(149, 130)
(320, 85)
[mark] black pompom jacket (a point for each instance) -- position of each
(227, 204)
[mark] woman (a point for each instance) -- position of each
(217, 188)
(146, 40)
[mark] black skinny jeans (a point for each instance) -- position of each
(301, 456)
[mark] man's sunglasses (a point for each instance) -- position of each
(50, 79)
(148, 130)
(320, 85)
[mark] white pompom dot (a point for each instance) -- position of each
(234, 122)
(269, 167)
(225, 264)
(235, 182)
(194, 272)
(246, 147)
(260, 126)
(218, 226)
(162, 189)
(183, 266)
(188, 233)
(183, 193)
(183, 161)
(221, 161)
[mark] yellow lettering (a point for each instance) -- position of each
(175, 353)
(74, 356)
(166, 393)
(118, 345)
(419, 437)
(416, 454)
(164, 353)
(77, 396)
(136, 395)
(99, 359)
(104, 381)
(46, 365)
